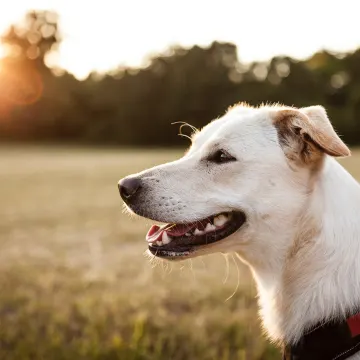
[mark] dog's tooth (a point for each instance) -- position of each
(198, 232)
(220, 220)
(187, 234)
(210, 227)
(165, 238)
(159, 243)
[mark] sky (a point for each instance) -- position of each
(101, 35)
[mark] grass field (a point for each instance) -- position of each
(75, 283)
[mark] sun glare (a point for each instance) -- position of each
(2, 55)
(2, 51)
(100, 42)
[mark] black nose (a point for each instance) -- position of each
(128, 187)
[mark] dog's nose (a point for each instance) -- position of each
(128, 187)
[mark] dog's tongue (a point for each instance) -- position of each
(155, 232)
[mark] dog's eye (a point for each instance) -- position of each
(220, 157)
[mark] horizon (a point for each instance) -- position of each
(269, 30)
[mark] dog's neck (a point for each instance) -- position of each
(317, 277)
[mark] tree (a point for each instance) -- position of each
(136, 106)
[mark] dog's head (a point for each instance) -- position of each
(239, 187)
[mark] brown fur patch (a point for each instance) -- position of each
(306, 135)
(297, 146)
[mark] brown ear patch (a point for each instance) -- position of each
(322, 132)
(296, 145)
(306, 134)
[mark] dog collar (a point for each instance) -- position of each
(330, 341)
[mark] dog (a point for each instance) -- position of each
(264, 182)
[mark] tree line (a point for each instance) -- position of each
(131, 106)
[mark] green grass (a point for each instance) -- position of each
(75, 283)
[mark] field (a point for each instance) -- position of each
(75, 284)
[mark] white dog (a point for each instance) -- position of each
(263, 182)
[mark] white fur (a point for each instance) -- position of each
(284, 203)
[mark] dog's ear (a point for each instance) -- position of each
(307, 133)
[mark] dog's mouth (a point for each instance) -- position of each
(179, 240)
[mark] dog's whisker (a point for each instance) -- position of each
(238, 278)
(154, 261)
(184, 124)
(227, 271)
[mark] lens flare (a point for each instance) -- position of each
(20, 86)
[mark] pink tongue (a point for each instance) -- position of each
(180, 229)
(154, 229)
(155, 232)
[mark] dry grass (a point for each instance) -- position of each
(74, 281)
